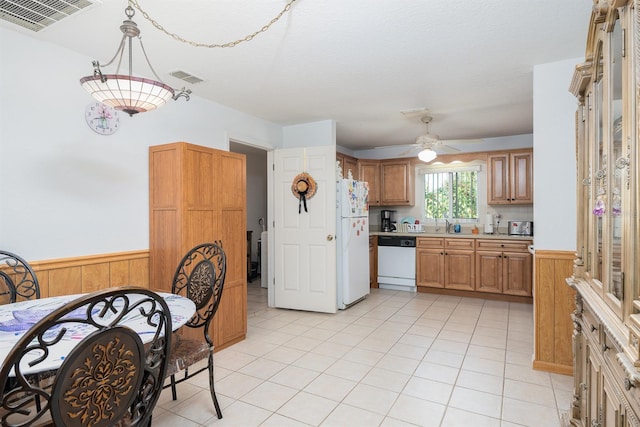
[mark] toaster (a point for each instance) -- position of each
(520, 228)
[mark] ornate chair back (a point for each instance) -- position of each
(200, 277)
(18, 281)
(110, 378)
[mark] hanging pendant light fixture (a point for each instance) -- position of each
(126, 92)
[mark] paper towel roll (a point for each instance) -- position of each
(488, 224)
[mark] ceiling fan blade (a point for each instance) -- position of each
(415, 112)
(390, 146)
(445, 149)
(462, 141)
(410, 150)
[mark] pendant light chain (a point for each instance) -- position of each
(246, 38)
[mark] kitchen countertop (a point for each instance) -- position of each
(452, 235)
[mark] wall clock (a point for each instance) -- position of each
(102, 118)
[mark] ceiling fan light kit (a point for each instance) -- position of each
(427, 141)
(427, 155)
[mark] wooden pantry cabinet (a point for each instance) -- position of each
(504, 267)
(391, 182)
(198, 195)
(445, 263)
(510, 178)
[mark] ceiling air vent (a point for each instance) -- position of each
(35, 15)
(189, 78)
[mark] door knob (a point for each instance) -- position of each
(329, 237)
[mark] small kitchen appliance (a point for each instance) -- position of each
(520, 228)
(387, 221)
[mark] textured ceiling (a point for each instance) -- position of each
(359, 62)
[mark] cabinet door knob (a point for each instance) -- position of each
(329, 237)
(593, 328)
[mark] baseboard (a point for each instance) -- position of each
(553, 368)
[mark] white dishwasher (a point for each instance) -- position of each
(397, 263)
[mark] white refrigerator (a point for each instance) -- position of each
(352, 241)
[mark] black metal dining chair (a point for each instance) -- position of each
(110, 378)
(200, 277)
(18, 281)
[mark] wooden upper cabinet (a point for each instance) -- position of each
(348, 163)
(510, 178)
(369, 171)
(396, 177)
(391, 181)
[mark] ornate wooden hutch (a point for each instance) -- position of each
(606, 339)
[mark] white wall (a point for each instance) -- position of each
(313, 134)
(66, 191)
(554, 160)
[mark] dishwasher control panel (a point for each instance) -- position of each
(397, 241)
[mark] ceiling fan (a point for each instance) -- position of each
(430, 145)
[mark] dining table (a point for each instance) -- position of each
(17, 318)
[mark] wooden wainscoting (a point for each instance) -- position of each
(83, 274)
(553, 303)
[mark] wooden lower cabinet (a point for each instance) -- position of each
(459, 260)
(504, 267)
(445, 263)
(430, 262)
(373, 261)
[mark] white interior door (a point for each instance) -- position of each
(304, 243)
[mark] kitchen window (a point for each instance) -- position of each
(451, 195)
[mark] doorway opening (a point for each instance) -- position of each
(257, 248)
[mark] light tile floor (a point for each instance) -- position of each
(394, 359)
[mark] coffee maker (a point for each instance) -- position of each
(387, 220)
